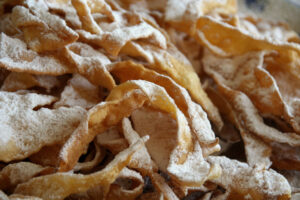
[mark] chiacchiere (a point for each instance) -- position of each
(102, 99)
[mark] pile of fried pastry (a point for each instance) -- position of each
(147, 99)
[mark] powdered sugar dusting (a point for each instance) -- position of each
(42, 30)
(24, 130)
(79, 92)
(17, 173)
(194, 170)
(254, 122)
(239, 177)
(15, 56)
(240, 73)
(114, 40)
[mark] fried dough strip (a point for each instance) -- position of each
(15, 56)
(112, 140)
(257, 151)
(172, 63)
(242, 181)
(79, 92)
(115, 40)
(268, 28)
(253, 122)
(22, 81)
(161, 128)
(98, 119)
(121, 189)
(246, 74)
(66, 9)
(183, 14)
(163, 187)
(127, 96)
(90, 63)
(86, 18)
(196, 117)
(16, 173)
(42, 31)
(288, 82)
(50, 186)
(256, 75)
(23, 129)
(141, 160)
(225, 40)
(88, 165)
(236, 80)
